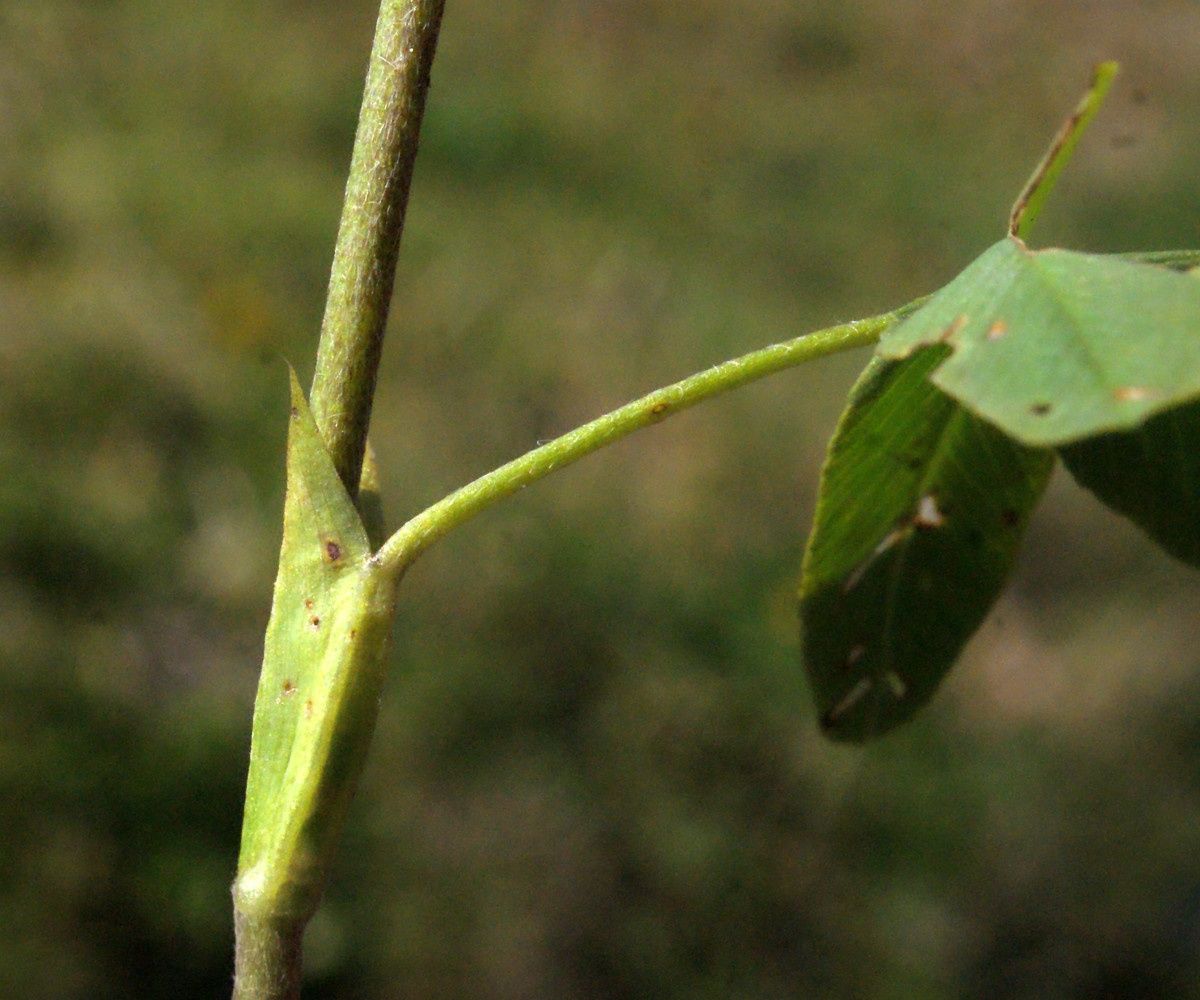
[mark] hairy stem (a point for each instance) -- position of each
(364, 261)
(268, 960)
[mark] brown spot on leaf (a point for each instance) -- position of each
(308, 709)
(1009, 517)
(288, 688)
(315, 622)
(308, 603)
(1130, 393)
(333, 551)
(295, 412)
(1040, 409)
(658, 409)
(997, 330)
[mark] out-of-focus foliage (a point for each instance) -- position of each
(596, 772)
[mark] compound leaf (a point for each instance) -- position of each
(921, 508)
(1055, 346)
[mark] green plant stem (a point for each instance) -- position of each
(268, 948)
(364, 261)
(463, 504)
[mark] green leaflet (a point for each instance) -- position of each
(1151, 475)
(319, 688)
(1055, 346)
(920, 512)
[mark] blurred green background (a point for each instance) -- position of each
(597, 773)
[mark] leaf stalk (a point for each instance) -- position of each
(463, 504)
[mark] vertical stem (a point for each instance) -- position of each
(364, 262)
(268, 947)
(268, 959)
